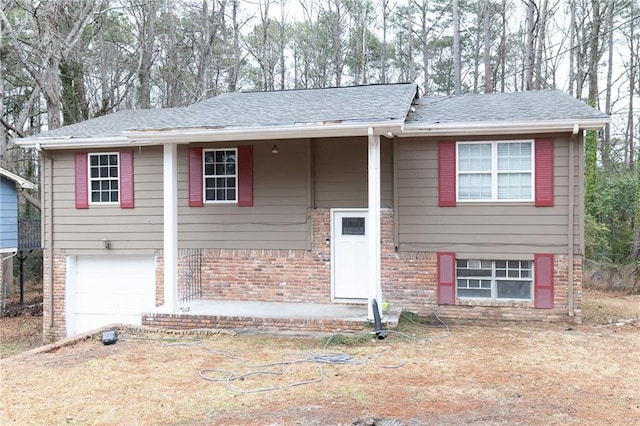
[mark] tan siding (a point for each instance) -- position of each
(137, 228)
(341, 172)
(483, 229)
(278, 217)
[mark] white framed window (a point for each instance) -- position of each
(495, 171)
(104, 178)
(494, 279)
(220, 175)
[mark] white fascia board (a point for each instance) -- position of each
(189, 135)
(72, 143)
(19, 180)
(501, 128)
(262, 133)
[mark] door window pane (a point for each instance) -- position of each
(353, 226)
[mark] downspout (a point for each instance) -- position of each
(571, 233)
(311, 203)
(396, 189)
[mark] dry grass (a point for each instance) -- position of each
(503, 374)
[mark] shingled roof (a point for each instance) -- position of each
(542, 105)
(340, 111)
(357, 104)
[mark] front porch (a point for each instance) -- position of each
(268, 316)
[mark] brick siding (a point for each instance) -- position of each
(191, 322)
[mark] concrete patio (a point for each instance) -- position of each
(310, 317)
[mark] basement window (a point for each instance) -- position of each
(494, 279)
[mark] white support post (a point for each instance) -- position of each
(375, 290)
(170, 175)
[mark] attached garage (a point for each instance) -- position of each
(103, 290)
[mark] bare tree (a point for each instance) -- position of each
(486, 30)
(540, 45)
(145, 14)
(50, 44)
(529, 45)
(457, 56)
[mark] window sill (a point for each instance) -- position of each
(496, 303)
(488, 203)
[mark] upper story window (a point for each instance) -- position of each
(495, 171)
(220, 175)
(104, 178)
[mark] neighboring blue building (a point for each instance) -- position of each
(9, 183)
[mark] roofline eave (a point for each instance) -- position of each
(72, 142)
(388, 128)
(502, 128)
(18, 180)
(193, 135)
(189, 135)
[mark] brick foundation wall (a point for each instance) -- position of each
(192, 322)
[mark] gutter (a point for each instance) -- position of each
(41, 144)
(501, 128)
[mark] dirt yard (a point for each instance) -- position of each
(495, 374)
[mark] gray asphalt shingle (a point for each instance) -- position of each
(374, 103)
(357, 104)
(501, 107)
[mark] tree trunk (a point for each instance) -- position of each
(457, 65)
(338, 61)
(385, 53)
(147, 36)
(172, 74)
(283, 45)
(541, 44)
(502, 49)
(572, 48)
(594, 54)
(52, 95)
(604, 142)
(477, 46)
(529, 64)
(486, 29)
(234, 69)
(409, 60)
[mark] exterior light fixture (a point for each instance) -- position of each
(275, 150)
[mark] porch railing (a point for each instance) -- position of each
(190, 270)
(29, 236)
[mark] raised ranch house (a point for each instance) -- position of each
(470, 205)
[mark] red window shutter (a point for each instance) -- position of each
(447, 173)
(81, 180)
(126, 180)
(446, 278)
(544, 172)
(245, 175)
(543, 269)
(195, 177)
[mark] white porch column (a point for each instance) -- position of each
(375, 290)
(170, 176)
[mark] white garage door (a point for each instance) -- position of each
(103, 290)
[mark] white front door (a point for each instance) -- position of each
(350, 254)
